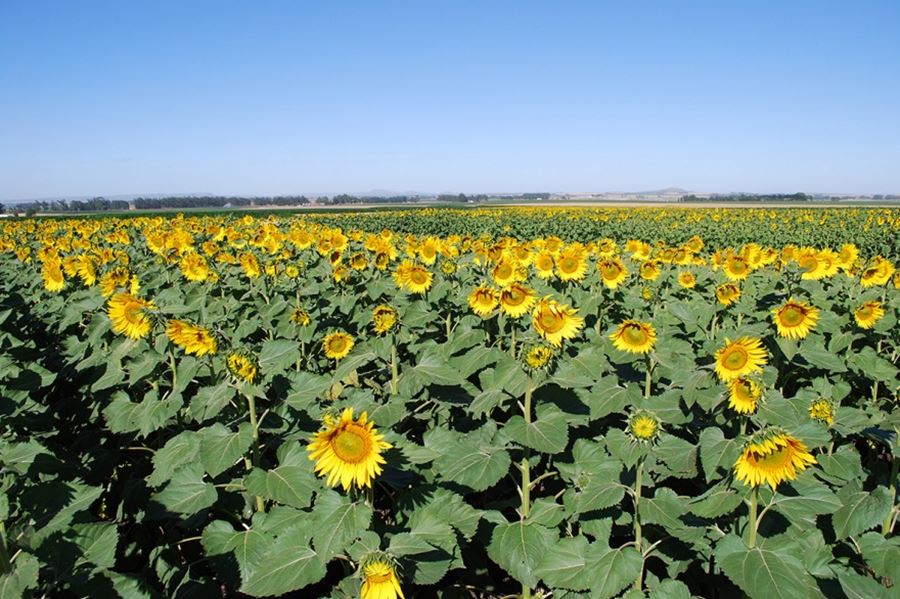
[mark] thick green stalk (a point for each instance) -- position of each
(512, 340)
(526, 472)
(886, 525)
(5, 565)
(638, 532)
(754, 499)
(254, 425)
(395, 373)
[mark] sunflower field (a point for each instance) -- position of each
(488, 403)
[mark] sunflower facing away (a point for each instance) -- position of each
(191, 338)
(516, 300)
(739, 358)
(795, 319)
(337, 345)
(128, 315)
(868, 314)
(348, 451)
(380, 581)
(634, 337)
(555, 322)
(743, 395)
(772, 457)
(483, 300)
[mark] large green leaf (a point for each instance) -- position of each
(220, 447)
(762, 573)
(519, 546)
(285, 565)
(187, 493)
(860, 510)
(548, 433)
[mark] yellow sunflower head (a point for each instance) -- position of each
(555, 322)
(643, 426)
(129, 315)
(771, 456)
(384, 318)
(686, 279)
(728, 293)
(52, 275)
(822, 410)
(348, 451)
(736, 268)
(795, 319)
(743, 395)
(483, 300)
(571, 265)
(380, 580)
(505, 272)
(650, 270)
(544, 264)
(612, 272)
(448, 267)
(300, 317)
(868, 314)
(539, 357)
(517, 300)
(337, 345)
(740, 358)
(193, 339)
(634, 337)
(418, 279)
(242, 366)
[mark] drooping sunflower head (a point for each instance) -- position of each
(643, 426)
(555, 322)
(634, 337)
(772, 456)
(483, 300)
(380, 580)
(348, 451)
(337, 345)
(868, 314)
(822, 410)
(687, 279)
(193, 339)
(516, 300)
(242, 366)
(740, 358)
(300, 317)
(539, 357)
(384, 318)
(744, 393)
(728, 293)
(612, 272)
(129, 315)
(795, 319)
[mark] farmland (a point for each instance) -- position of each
(588, 402)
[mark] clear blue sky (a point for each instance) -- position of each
(258, 98)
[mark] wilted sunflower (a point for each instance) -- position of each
(348, 451)
(483, 300)
(822, 410)
(242, 366)
(740, 358)
(772, 457)
(384, 318)
(191, 338)
(728, 293)
(300, 316)
(337, 345)
(687, 279)
(743, 395)
(538, 357)
(128, 315)
(380, 581)
(795, 319)
(516, 300)
(868, 314)
(612, 272)
(643, 426)
(555, 322)
(634, 337)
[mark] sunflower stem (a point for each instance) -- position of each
(526, 472)
(754, 499)
(892, 486)
(875, 384)
(5, 564)
(638, 532)
(648, 380)
(512, 339)
(254, 435)
(395, 374)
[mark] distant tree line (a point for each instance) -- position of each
(749, 197)
(344, 199)
(216, 202)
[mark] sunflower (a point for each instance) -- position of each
(736, 268)
(418, 279)
(571, 264)
(740, 358)
(380, 581)
(822, 410)
(795, 319)
(643, 426)
(384, 318)
(128, 315)
(337, 345)
(812, 265)
(539, 357)
(516, 300)
(743, 395)
(191, 338)
(194, 267)
(448, 267)
(52, 275)
(483, 300)
(612, 272)
(250, 265)
(634, 337)
(728, 293)
(650, 270)
(877, 272)
(772, 457)
(505, 273)
(300, 316)
(543, 265)
(242, 366)
(348, 451)
(555, 322)
(687, 279)
(868, 314)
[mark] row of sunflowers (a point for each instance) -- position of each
(427, 404)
